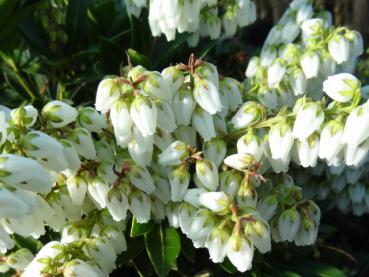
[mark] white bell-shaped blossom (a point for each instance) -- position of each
(240, 252)
(309, 118)
(107, 93)
(179, 180)
(341, 87)
(207, 172)
(183, 106)
(339, 48)
(250, 144)
(91, 119)
(207, 96)
(249, 113)
(59, 114)
(144, 115)
(203, 122)
(289, 224)
(239, 161)
(357, 126)
(83, 143)
(280, 140)
(310, 64)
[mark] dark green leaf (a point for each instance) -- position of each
(139, 59)
(135, 246)
(163, 247)
(228, 266)
(30, 243)
(140, 229)
(75, 21)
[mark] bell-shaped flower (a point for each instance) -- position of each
(307, 233)
(357, 192)
(144, 115)
(139, 205)
(97, 190)
(207, 172)
(192, 196)
(19, 259)
(163, 189)
(117, 204)
(213, 25)
(310, 64)
(248, 114)
(201, 224)
(24, 116)
(174, 154)
(309, 118)
(154, 85)
(280, 140)
(173, 77)
(59, 114)
(267, 207)
(356, 43)
(47, 149)
(216, 243)
(83, 143)
(250, 144)
(252, 67)
(230, 182)
(216, 201)
(203, 122)
(91, 119)
(232, 90)
(239, 161)
(165, 117)
(276, 72)
(341, 87)
(207, 96)
(77, 188)
(290, 31)
(139, 154)
(304, 13)
(298, 82)
(71, 156)
(311, 27)
(356, 156)
(24, 173)
(209, 72)
(122, 122)
(357, 126)
(140, 177)
(79, 268)
(259, 234)
(331, 140)
(274, 36)
(107, 93)
(288, 224)
(179, 180)
(339, 48)
(307, 150)
(215, 150)
(240, 252)
(246, 196)
(183, 106)
(11, 204)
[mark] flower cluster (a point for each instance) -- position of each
(205, 18)
(300, 52)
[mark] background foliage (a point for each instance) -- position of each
(61, 49)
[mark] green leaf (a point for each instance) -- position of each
(228, 266)
(135, 246)
(139, 59)
(75, 21)
(140, 229)
(163, 247)
(30, 243)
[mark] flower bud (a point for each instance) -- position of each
(307, 150)
(174, 154)
(207, 96)
(171, 211)
(59, 114)
(239, 161)
(298, 82)
(97, 190)
(311, 28)
(144, 115)
(201, 224)
(331, 140)
(356, 43)
(183, 106)
(24, 116)
(192, 196)
(290, 31)
(155, 85)
(163, 190)
(71, 156)
(166, 118)
(185, 214)
(179, 180)
(341, 87)
(122, 122)
(209, 72)
(258, 232)
(20, 259)
(91, 119)
(267, 207)
(252, 67)
(207, 172)
(215, 150)
(174, 78)
(246, 196)
(203, 122)
(276, 72)
(216, 201)
(107, 93)
(141, 156)
(140, 177)
(339, 48)
(356, 192)
(231, 89)
(162, 140)
(310, 64)
(249, 113)
(307, 233)
(83, 143)
(77, 188)
(213, 25)
(240, 252)
(79, 268)
(216, 243)
(250, 144)
(289, 224)
(139, 205)
(357, 126)
(117, 204)
(230, 182)
(280, 140)
(304, 12)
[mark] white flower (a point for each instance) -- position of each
(207, 96)
(258, 232)
(213, 25)
(83, 143)
(122, 122)
(311, 27)
(207, 172)
(240, 252)
(140, 206)
(155, 85)
(250, 144)
(310, 64)
(239, 161)
(290, 31)
(307, 150)
(331, 140)
(216, 201)
(216, 243)
(356, 43)
(174, 154)
(24, 173)
(339, 48)
(203, 122)
(267, 207)
(356, 192)
(276, 72)
(3, 128)
(304, 12)
(174, 78)
(280, 140)
(252, 67)
(59, 114)
(165, 117)
(183, 106)
(117, 204)
(249, 113)
(192, 196)
(230, 182)
(19, 259)
(232, 90)
(11, 204)
(77, 188)
(107, 93)
(47, 149)
(355, 156)
(309, 118)
(79, 268)
(289, 224)
(298, 82)
(357, 126)
(26, 116)
(144, 115)
(274, 36)
(70, 155)
(140, 177)
(215, 150)
(341, 87)
(179, 180)
(97, 190)
(201, 224)
(307, 233)
(91, 119)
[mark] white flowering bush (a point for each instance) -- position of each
(205, 18)
(188, 158)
